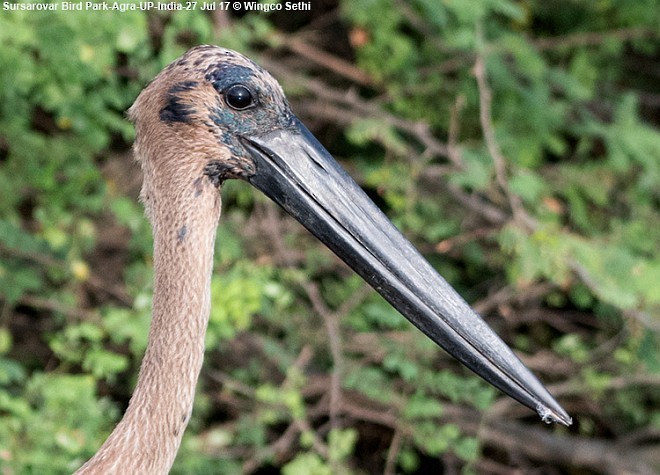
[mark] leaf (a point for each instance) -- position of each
(527, 185)
(467, 448)
(477, 170)
(341, 443)
(422, 406)
(306, 464)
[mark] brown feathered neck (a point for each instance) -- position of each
(188, 141)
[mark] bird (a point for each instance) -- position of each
(214, 115)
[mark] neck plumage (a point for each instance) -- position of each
(184, 209)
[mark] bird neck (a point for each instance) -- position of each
(147, 438)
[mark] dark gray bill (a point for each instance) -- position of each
(295, 171)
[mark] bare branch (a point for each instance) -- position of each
(592, 38)
(326, 60)
(393, 453)
(485, 117)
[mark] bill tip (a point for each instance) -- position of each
(549, 416)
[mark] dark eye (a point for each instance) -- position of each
(238, 97)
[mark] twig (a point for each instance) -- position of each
(277, 449)
(485, 117)
(448, 244)
(326, 60)
(232, 383)
(393, 453)
(57, 307)
(302, 423)
(477, 204)
(453, 150)
(508, 294)
(334, 337)
(321, 448)
(591, 38)
(272, 223)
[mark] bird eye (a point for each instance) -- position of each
(238, 97)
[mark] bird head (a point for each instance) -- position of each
(205, 102)
(215, 115)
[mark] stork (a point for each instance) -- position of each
(214, 115)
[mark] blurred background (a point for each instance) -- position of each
(515, 142)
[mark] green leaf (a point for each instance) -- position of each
(341, 443)
(307, 464)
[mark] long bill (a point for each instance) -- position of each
(295, 171)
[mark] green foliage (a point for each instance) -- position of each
(41, 432)
(236, 295)
(307, 463)
(575, 215)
